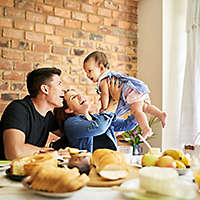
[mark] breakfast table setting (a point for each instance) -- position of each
(101, 185)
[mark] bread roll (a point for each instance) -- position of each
(109, 164)
(24, 165)
(58, 180)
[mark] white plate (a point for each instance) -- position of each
(4, 164)
(135, 184)
(48, 194)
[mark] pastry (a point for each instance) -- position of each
(57, 180)
(24, 165)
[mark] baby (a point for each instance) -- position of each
(134, 96)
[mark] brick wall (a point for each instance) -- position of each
(62, 33)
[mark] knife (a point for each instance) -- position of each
(145, 142)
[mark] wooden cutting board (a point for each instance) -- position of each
(98, 181)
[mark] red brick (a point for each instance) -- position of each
(30, 56)
(25, 25)
(13, 33)
(70, 42)
(35, 17)
(23, 66)
(104, 12)
(123, 8)
(45, 48)
(71, 79)
(7, 3)
(110, 22)
(42, 8)
(119, 1)
(44, 28)
(105, 30)
(134, 11)
(58, 3)
(103, 46)
(124, 41)
(89, 27)
(2, 107)
(118, 49)
(25, 4)
(79, 16)
(60, 50)
(55, 20)
(88, 9)
(87, 44)
(52, 58)
(9, 96)
(131, 3)
(78, 52)
(23, 45)
(13, 12)
(4, 42)
(62, 31)
(52, 39)
(12, 54)
(5, 22)
(38, 37)
(61, 12)
(72, 24)
(110, 5)
(134, 27)
(13, 75)
(16, 86)
(124, 25)
(94, 19)
(96, 2)
(71, 60)
(111, 39)
(1, 11)
(5, 65)
(71, 5)
(4, 85)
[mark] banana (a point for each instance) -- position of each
(179, 164)
(186, 161)
(174, 153)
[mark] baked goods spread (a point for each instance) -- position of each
(25, 165)
(109, 164)
(57, 180)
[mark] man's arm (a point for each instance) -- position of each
(15, 147)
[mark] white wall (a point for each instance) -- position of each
(161, 59)
(150, 53)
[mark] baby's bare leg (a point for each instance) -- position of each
(137, 110)
(153, 110)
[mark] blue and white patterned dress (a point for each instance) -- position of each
(130, 84)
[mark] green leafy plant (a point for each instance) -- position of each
(132, 135)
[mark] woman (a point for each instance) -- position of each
(92, 131)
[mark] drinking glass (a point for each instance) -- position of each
(127, 151)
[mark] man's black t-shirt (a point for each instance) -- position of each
(22, 115)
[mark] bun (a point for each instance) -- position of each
(58, 180)
(109, 164)
(25, 165)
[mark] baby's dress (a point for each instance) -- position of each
(133, 90)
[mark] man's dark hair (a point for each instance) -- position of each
(99, 58)
(38, 77)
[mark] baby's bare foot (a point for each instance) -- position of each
(147, 133)
(163, 119)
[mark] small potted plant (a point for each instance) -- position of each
(133, 138)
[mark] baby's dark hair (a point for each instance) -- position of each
(99, 57)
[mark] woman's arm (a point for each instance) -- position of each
(124, 124)
(115, 92)
(79, 127)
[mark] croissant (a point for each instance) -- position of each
(58, 180)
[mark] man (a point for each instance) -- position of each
(26, 123)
